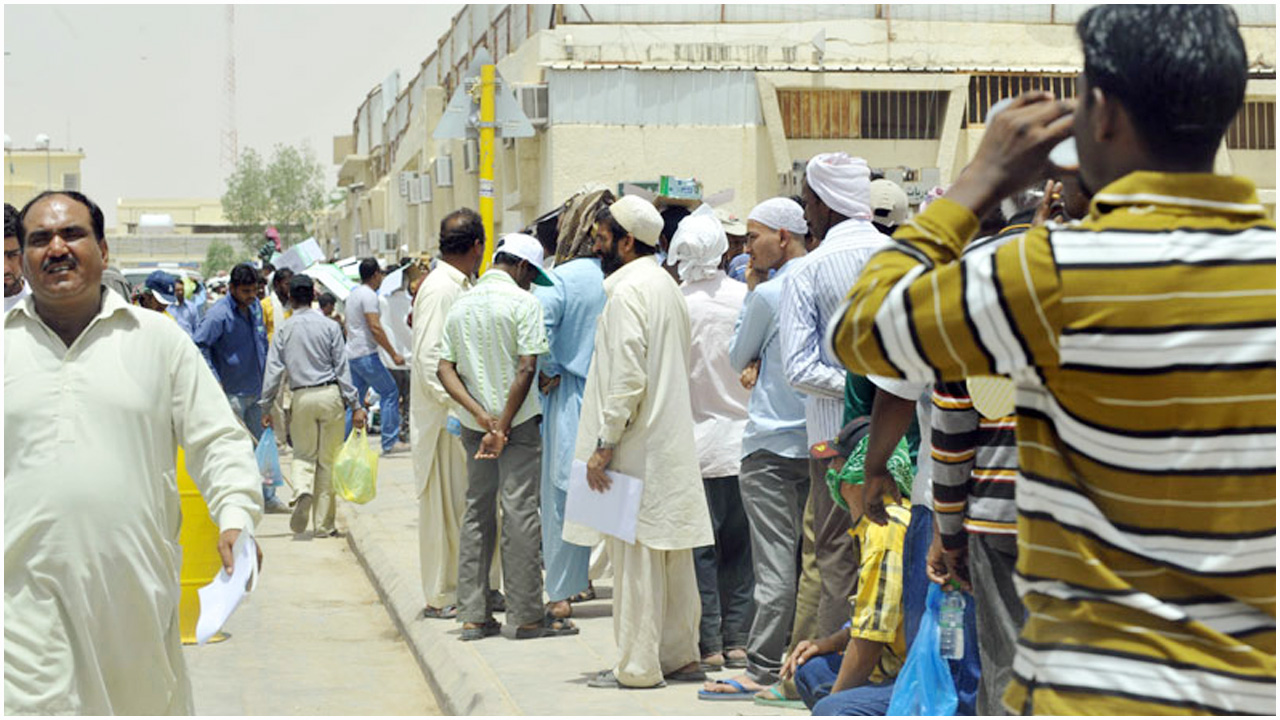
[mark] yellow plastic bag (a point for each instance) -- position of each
(355, 474)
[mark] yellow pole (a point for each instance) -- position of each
(488, 75)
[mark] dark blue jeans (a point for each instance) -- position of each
(366, 372)
(250, 413)
(915, 586)
(815, 678)
(726, 580)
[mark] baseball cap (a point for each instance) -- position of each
(733, 225)
(160, 284)
(844, 443)
(888, 202)
(527, 248)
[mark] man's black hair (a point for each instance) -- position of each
(506, 258)
(1179, 70)
(10, 221)
(303, 294)
(606, 218)
(368, 268)
(671, 217)
(328, 299)
(460, 230)
(644, 250)
(95, 214)
(282, 275)
(244, 274)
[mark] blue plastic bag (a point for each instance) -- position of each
(924, 685)
(269, 459)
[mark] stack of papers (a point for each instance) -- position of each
(613, 512)
(221, 597)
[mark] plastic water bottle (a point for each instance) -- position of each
(951, 624)
(453, 426)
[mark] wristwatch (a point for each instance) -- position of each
(602, 445)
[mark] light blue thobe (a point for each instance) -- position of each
(570, 308)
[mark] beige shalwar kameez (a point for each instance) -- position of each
(91, 507)
(439, 461)
(637, 396)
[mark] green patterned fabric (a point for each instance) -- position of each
(900, 469)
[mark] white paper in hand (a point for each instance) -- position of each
(221, 597)
(613, 512)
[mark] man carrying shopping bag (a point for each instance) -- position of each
(310, 351)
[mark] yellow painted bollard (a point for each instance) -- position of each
(200, 562)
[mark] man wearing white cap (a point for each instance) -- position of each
(720, 417)
(837, 200)
(488, 358)
(774, 475)
(636, 420)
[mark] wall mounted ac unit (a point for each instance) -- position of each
(377, 240)
(471, 156)
(405, 177)
(390, 241)
(444, 171)
(415, 189)
(424, 181)
(534, 103)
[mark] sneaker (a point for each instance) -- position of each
(301, 513)
(397, 449)
(277, 507)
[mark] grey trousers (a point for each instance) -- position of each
(725, 576)
(999, 612)
(513, 480)
(834, 550)
(774, 490)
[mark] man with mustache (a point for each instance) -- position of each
(14, 287)
(99, 395)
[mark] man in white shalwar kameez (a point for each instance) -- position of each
(98, 395)
(439, 461)
(637, 420)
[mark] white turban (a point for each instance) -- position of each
(698, 246)
(843, 183)
(781, 213)
(639, 218)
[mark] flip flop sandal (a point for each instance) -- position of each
(740, 692)
(448, 612)
(551, 627)
(585, 596)
(735, 662)
(489, 629)
(687, 676)
(773, 697)
(607, 680)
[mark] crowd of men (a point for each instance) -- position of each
(1069, 420)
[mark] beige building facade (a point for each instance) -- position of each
(738, 96)
(29, 172)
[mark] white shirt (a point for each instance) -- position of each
(637, 396)
(394, 314)
(430, 405)
(362, 301)
(11, 300)
(91, 554)
(718, 398)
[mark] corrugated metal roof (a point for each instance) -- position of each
(803, 67)
(1254, 72)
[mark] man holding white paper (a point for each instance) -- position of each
(636, 420)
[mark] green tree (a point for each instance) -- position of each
(220, 257)
(286, 193)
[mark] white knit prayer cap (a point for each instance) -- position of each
(639, 218)
(781, 213)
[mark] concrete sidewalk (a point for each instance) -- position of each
(499, 676)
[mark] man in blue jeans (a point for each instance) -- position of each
(364, 335)
(233, 339)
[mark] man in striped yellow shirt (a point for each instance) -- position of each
(1143, 344)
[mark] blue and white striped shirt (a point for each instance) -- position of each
(811, 295)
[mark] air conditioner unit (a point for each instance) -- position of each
(471, 156)
(424, 180)
(390, 241)
(71, 181)
(414, 188)
(534, 103)
(377, 240)
(444, 171)
(405, 177)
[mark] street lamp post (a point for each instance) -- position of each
(42, 141)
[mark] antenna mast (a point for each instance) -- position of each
(230, 143)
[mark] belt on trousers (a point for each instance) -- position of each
(308, 387)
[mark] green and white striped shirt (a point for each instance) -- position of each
(486, 333)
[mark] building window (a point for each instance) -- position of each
(865, 114)
(988, 89)
(1254, 127)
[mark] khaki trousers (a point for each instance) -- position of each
(805, 626)
(281, 415)
(656, 612)
(440, 507)
(318, 419)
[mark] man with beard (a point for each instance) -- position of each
(636, 420)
